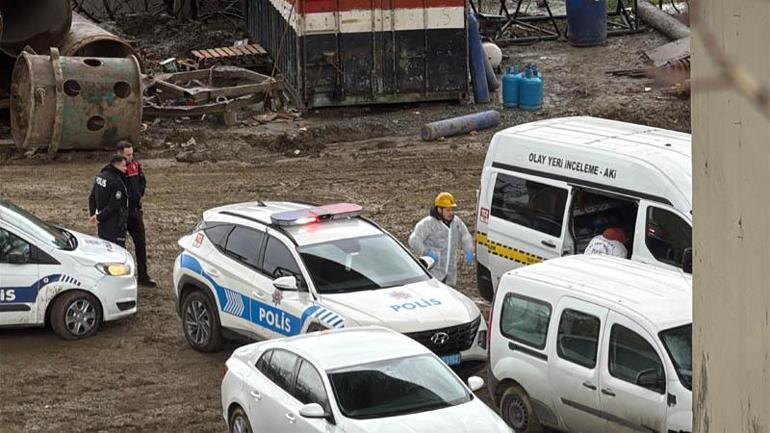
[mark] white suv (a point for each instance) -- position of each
(274, 269)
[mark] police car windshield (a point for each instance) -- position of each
(33, 225)
(396, 387)
(365, 263)
(678, 342)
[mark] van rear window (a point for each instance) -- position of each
(525, 320)
(530, 204)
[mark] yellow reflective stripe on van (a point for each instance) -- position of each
(507, 252)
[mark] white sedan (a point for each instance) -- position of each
(355, 380)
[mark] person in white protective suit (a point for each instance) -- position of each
(611, 242)
(441, 236)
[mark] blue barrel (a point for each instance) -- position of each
(587, 22)
(477, 55)
(530, 92)
(511, 81)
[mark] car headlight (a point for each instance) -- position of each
(114, 269)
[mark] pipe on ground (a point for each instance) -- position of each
(459, 125)
(662, 21)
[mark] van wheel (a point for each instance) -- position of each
(200, 321)
(76, 315)
(516, 409)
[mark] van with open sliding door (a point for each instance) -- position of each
(548, 187)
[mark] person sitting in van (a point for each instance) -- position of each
(439, 235)
(611, 243)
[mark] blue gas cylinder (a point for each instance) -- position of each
(511, 81)
(530, 91)
(586, 22)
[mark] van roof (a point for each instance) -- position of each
(653, 161)
(661, 296)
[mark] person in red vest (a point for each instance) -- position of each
(136, 185)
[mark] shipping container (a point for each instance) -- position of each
(352, 52)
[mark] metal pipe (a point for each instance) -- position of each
(459, 125)
(86, 39)
(38, 23)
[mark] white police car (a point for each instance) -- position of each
(274, 269)
(53, 276)
(361, 380)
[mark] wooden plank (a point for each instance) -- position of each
(672, 50)
(221, 52)
(230, 52)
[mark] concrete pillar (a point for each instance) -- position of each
(731, 195)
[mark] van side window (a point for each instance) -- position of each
(578, 338)
(531, 204)
(525, 320)
(667, 236)
(633, 359)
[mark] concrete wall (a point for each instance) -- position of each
(731, 159)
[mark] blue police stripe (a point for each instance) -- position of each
(28, 294)
(247, 308)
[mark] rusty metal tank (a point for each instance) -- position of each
(75, 102)
(38, 23)
(86, 39)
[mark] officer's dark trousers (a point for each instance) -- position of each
(136, 230)
(114, 236)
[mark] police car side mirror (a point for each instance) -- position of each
(427, 262)
(17, 258)
(285, 283)
(687, 260)
(312, 411)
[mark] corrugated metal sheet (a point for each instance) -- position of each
(347, 52)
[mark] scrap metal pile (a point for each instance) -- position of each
(70, 84)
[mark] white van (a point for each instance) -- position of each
(593, 343)
(549, 186)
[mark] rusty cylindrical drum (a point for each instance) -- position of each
(75, 102)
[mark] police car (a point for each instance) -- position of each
(53, 276)
(276, 269)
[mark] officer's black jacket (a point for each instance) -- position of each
(110, 197)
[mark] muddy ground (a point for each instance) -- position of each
(139, 375)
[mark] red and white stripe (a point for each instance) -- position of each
(314, 17)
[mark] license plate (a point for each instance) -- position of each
(452, 359)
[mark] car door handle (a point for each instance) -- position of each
(213, 272)
(589, 385)
(257, 396)
(290, 417)
(258, 295)
(549, 244)
(607, 391)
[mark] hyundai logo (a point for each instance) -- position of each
(439, 338)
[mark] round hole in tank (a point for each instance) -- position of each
(93, 62)
(72, 88)
(122, 89)
(95, 123)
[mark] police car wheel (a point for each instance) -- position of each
(517, 411)
(239, 422)
(201, 322)
(76, 315)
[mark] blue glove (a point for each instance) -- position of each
(432, 254)
(469, 257)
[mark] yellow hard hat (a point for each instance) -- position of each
(445, 199)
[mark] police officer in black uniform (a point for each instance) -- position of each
(108, 202)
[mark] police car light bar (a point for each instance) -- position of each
(317, 214)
